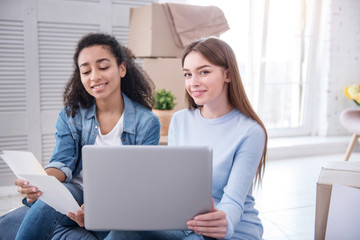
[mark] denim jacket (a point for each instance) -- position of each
(141, 127)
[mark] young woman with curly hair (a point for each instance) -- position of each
(107, 101)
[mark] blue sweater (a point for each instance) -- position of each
(237, 142)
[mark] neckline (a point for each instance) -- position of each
(218, 120)
(116, 125)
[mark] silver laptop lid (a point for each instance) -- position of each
(145, 187)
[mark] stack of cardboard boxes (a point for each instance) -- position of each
(150, 39)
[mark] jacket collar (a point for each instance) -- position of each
(129, 114)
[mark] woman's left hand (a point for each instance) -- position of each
(211, 224)
(78, 217)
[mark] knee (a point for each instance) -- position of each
(40, 205)
(10, 222)
(15, 216)
(65, 232)
(40, 211)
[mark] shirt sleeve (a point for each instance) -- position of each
(152, 135)
(246, 161)
(64, 156)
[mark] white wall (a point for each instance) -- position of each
(37, 42)
(338, 62)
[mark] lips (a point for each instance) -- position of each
(98, 87)
(198, 93)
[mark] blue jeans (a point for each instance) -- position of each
(75, 232)
(10, 223)
(158, 235)
(41, 220)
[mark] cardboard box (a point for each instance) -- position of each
(150, 33)
(344, 173)
(167, 73)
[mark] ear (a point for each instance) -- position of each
(227, 76)
(122, 69)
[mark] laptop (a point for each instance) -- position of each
(145, 187)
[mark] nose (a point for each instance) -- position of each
(95, 75)
(194, 81)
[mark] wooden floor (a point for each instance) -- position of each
(286, 200)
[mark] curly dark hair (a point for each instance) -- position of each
(136, 84)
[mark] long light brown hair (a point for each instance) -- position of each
(219, 53)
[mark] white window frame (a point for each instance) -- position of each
(255, 84)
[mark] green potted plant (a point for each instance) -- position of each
(164, 108)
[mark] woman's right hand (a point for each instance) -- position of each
(30, 192)
(78, 217)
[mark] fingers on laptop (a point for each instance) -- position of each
(210, 224)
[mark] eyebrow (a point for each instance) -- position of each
(97, 61)
(200, 67)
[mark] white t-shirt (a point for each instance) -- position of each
(113, 138)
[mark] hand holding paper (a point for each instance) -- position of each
(55, 194)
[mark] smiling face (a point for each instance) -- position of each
(205, 82)
(100, 73)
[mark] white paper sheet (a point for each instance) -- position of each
(22, 163)
(55, 194)
(344, 214)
